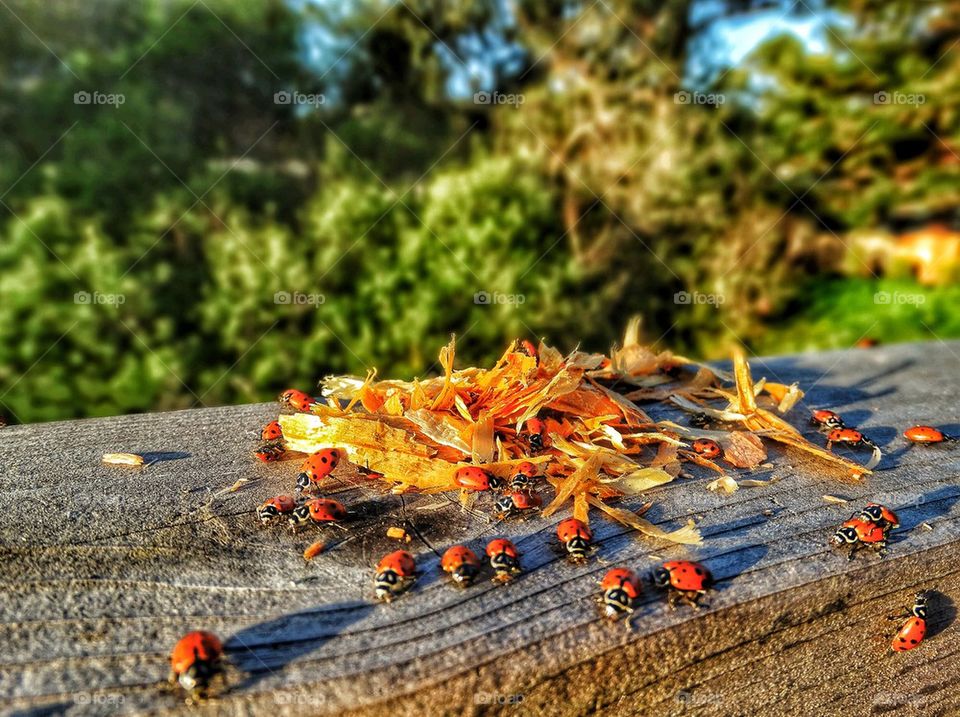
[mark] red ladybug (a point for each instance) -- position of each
(319, 510)
(524, 475)
(271, 431)
(297, 400)
(852, 438)
(270, 453)
(472, 478)
(395, 573)
(516, 503)
(504, 559)
(881, 515)
(275, 507)
(926, 435)
(685, 580)
(317, 467)
(195, 661)
(535, 434)
(527, 348)
(461, 563)
(858, 533)
(826, 420)
(911, 633)
(621, 589)
(575, 536)
(707, 448)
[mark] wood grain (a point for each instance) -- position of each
(105, 566)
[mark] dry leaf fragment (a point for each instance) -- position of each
(687, 535)
(397, 533)
(834, 499)
(743, 450)
(723, 484)
(123, 459)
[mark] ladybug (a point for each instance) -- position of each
(319, 510)
(575, 536)
(271, 431)
(535, 434)
(526, 472)
(852, 438)
(926, 435)
(685, 579)
(196, 659)
(317, 467)
(275, 507)
(461, 563)
(911, 633)
(270, 452)
(857, 533)
(472, 478)
(504, 559)
(881, 515)
(707, 447)
(527, 348)
(826, 420)
(395, 573)
(297, 400)
(621, 589)
(516, 503)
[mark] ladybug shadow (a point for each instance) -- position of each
(151, 457)
(267, 647)
(57, 708)
(941, 613)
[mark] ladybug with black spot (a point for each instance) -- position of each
(317, 467)
(472, 478)
(271, 452)
(517, 503)
(396, 572)
(707, 447)
(857, 533)
(535, 432)
(826, 420)
(685, 581)
(297, 400)
(849, 437)
(912, 632)
(620, 593)
(504, 559)
(575, 536)
(195, 661)
(881, 515)
(461, 564)
(927, 435)
(523, 476)
(275, 507)
(318, 510)
(271, 432)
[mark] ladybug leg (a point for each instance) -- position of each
(672, 597)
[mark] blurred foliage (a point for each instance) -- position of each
(202, 243)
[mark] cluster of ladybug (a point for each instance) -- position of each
(868, 528)
(685, 581)
(837, 431)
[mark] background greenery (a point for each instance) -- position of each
(399, 198)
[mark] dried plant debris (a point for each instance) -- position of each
(592, 445)
(122, 459)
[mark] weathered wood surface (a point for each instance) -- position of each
(104, 567)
